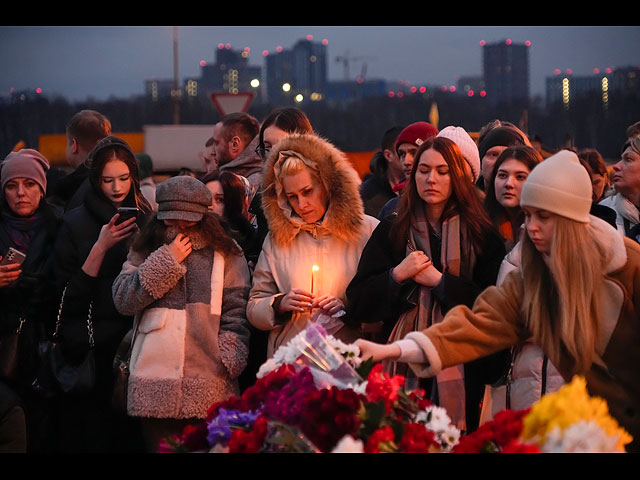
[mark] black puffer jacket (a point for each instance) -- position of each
(79, 231)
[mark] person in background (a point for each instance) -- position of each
(280, 123)
(598, 315)
(316, 219)
(208, 160)
(187, 283)
(28, 223)
(407, 143)
(230, 201)
(633, 130)
(90, 249)
(147, 184)
(625, 199)
(491, 146)
(502, 200)
(597, 169)
(235, 139)
(187, 172)
(386, 174)
(83, 131)
(439, 251)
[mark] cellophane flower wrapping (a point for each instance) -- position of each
(316, 395)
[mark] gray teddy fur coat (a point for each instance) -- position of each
(192, 339)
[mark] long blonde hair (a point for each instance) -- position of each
(560, 303)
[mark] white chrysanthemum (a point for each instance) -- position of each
(348, 444)
(360, 388)
(581, 437)
(448, 438)
(266, 368)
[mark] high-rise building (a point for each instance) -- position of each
(506, 72)
(297, 74)
(231, 72)
(565, 87)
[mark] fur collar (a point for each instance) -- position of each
(198, 240)
(344, 217)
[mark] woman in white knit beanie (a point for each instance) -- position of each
(576, 292)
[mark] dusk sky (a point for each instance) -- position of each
(103, 61)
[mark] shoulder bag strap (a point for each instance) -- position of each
(89, 319)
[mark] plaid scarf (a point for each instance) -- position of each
(457, 258)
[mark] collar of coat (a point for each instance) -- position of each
(344, 217)
(608, 237)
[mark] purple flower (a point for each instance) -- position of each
(219, 429)
(286, 404)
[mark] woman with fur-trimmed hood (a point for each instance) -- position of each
(317, 230)
(187, 283)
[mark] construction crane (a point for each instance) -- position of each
(346, 59)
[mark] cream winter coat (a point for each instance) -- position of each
(291, 249)
(192, 339)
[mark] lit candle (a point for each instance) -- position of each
(314, 269)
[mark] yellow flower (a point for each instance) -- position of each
(567, 406)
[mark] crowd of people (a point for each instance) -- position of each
(484, 270)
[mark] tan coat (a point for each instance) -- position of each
(289, 251)
(495, 323)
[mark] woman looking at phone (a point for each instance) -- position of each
(28, 224)
(89, 253)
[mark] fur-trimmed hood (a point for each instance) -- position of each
(344, 217)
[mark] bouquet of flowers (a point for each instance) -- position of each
(316, 395)
(566, 421)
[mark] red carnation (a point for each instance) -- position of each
(251, 441)
(417, 439)
(328, 415)
(381, 386)
(381, 435)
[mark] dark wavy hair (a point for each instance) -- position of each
(152, 235)
(529, 156)
(287, 119)
(464, 199)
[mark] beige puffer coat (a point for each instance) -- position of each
(291, 248)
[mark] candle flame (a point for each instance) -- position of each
(315, 268)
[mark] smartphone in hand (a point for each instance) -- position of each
(126, 213)
(13, 256)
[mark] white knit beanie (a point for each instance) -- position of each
(560, 185)
(467, 146)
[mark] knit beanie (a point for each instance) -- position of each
(182, 198)
(500, 136)
(467, 146)
(416, 133)
(560, 185)
(25, 163)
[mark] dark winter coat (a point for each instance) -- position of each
(32, 296)
(373, 296)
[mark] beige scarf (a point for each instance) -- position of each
(457, 258)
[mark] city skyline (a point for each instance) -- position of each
(83, 61)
